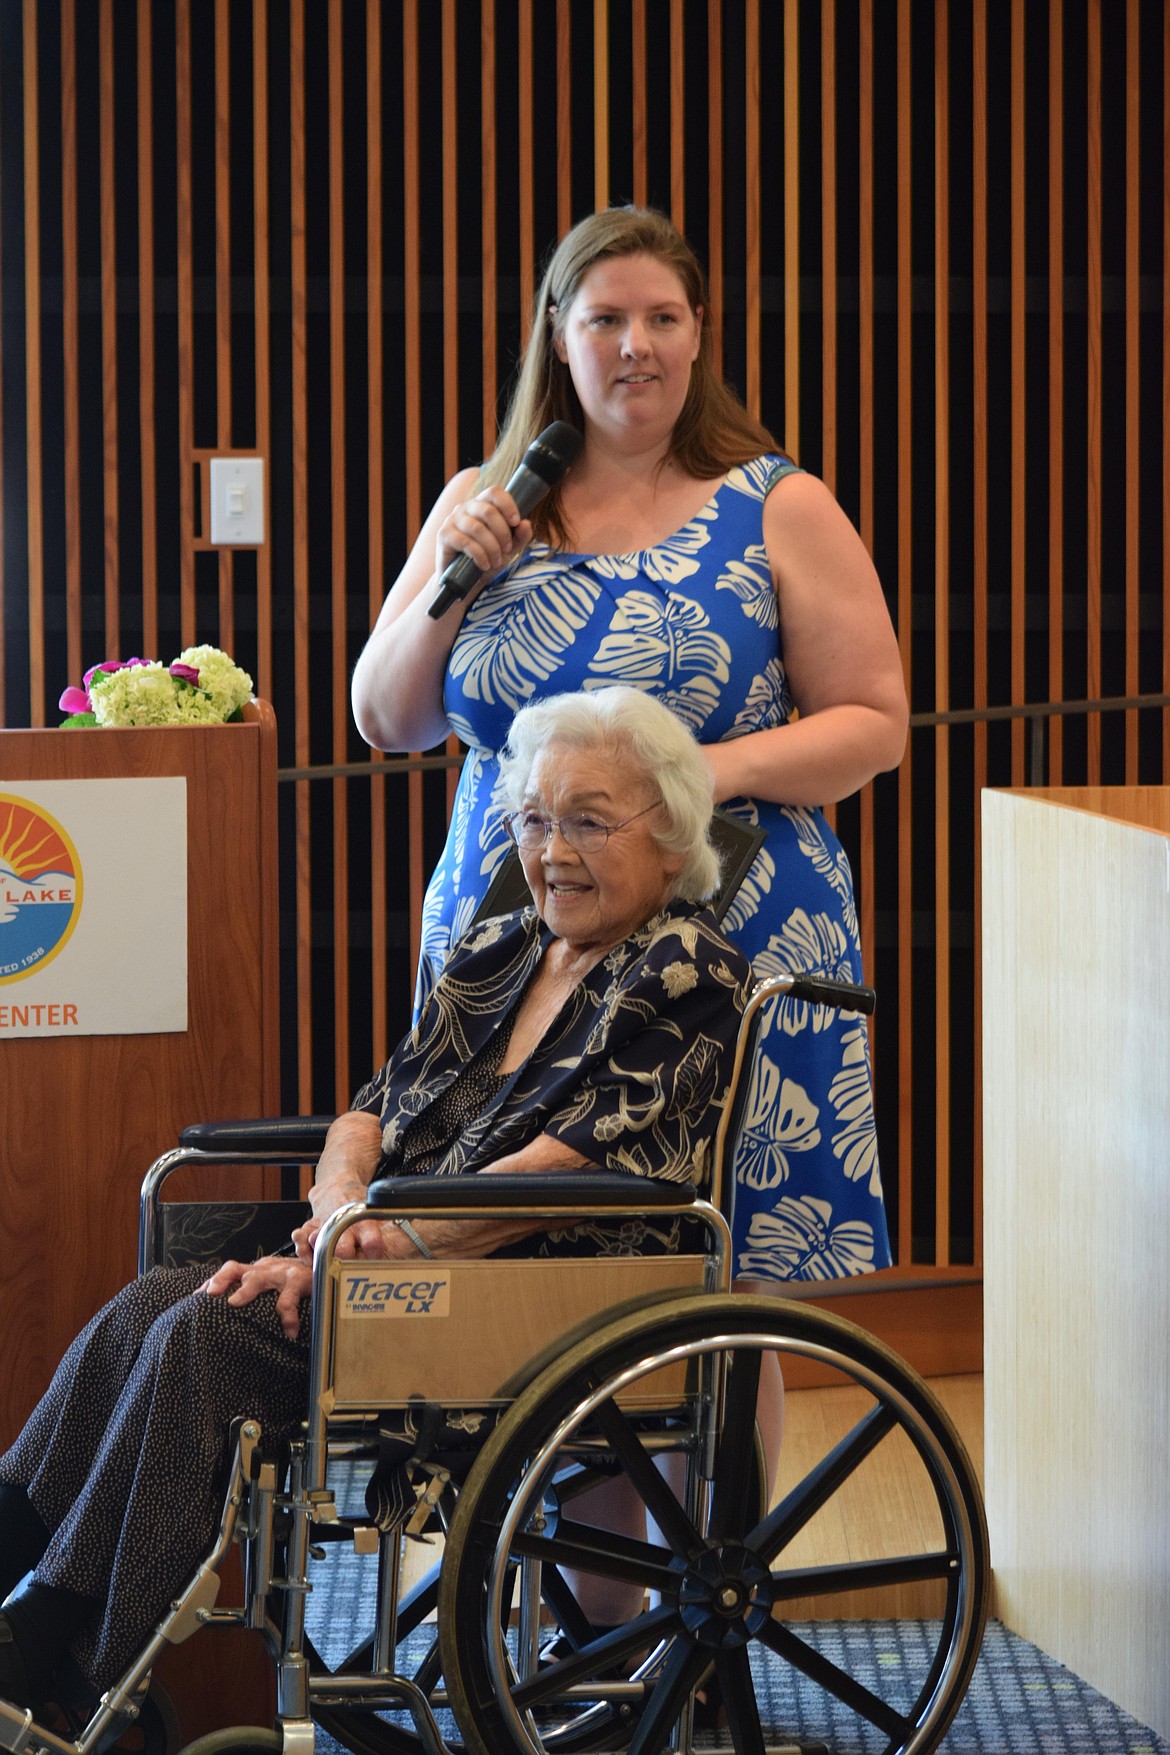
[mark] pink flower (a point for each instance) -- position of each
(75, 700)
(184, 673)
(112, 664)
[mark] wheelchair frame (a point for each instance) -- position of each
(713, 1564)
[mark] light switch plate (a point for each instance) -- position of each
(237, 501)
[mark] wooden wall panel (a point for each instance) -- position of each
(147, 319)
(34, 433)
(1094, 272)
(185, 294)
(942, 623)
(302, 873)
(315, 231)
(903, 605)
(1055, 532)
(979, 503)
(71, 413)
(339, 92)
(376, 462)
(261, 212)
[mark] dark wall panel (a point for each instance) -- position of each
(937, 242)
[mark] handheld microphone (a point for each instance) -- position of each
(543, 465)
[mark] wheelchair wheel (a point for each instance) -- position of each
(722, 1574)
(237, 1740)
(367, 1733)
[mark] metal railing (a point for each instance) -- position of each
(1038, 713)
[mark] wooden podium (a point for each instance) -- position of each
(1076, 1127)
(83, 1116)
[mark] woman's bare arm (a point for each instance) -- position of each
(841, 657)
(466, 1239)
(397, 685)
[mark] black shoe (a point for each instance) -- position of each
(37, 1625)
(13, 1675)
(23, 1537)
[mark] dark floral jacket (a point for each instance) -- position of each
(633, 1073)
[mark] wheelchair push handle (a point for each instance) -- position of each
(843, 996)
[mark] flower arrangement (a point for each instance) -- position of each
(202, 687)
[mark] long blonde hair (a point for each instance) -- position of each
(713, 433)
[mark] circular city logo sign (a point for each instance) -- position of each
(40, 887)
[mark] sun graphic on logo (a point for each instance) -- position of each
(40, 887)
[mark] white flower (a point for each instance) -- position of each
(679, 978)
(224, 682)
(150, 694)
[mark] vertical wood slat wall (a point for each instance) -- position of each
(314, 231)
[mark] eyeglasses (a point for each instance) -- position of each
(584, 832)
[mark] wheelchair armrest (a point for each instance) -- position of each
(301, 1135)
(841, 995)
(563, 1191)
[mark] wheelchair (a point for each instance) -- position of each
(575, 1372)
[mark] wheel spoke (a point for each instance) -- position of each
(808, 1581)
(656, 1495)
(836, 1681)
(429, 1672)
(601, 1656)
(739, 1697)
(567, 1420)
(586, 1548)
(570, 1483)
(733, 1481)
(798, 1507)
(566, 1610)
(685, 1663)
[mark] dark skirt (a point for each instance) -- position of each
(124, 1458)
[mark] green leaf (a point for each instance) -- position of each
(77, 721)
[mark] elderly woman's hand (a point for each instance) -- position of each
(241, 1282)
(370, 1239)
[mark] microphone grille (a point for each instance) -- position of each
(552, 452)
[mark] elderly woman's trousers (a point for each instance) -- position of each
(124, 1458)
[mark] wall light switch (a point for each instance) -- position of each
(237, 501)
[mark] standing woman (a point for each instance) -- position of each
(686, 555)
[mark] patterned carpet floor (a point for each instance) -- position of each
(1020, 1702)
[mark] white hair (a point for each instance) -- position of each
(643, 732)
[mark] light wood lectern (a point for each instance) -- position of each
(83, 1116)
(1076, 1128)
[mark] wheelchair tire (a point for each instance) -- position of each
(237, 1740)
(157, 1730)
(722, 1577)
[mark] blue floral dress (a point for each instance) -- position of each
(694, 621)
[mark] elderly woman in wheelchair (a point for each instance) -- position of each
(593, 1031)
(569, 1091)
